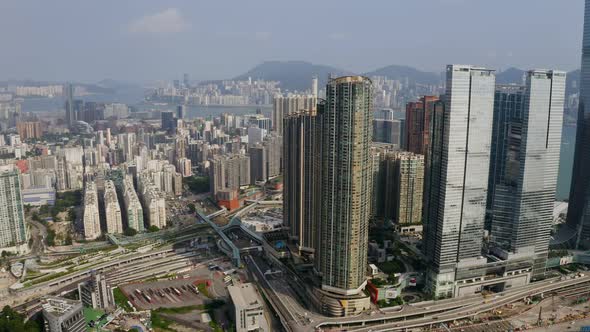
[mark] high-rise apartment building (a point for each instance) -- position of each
(112, 209)
(29, 129)
(91, 217)
(578, 217)
(283, 106)
(301, 178)
(459, 158)
(527, 144)
(133, 209)
(154, 201)
(346, 184)
(418, 124)
(229, 172)
(13, 231)
(404, 181)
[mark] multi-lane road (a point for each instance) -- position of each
(296, 317)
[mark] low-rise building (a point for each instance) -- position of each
(248, 308)
(63, 315)
(96, 292)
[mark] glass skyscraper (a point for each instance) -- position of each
(578, 217)
(457, 182)
(346, 184)
(523, 171)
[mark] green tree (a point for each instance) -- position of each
(50, 237)
(68, 240)
(12, 321)
(130, 231)
(153, 228)
(72, 214)
(191, 208)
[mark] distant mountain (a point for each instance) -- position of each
(293, 75)
(510, 76)
(401, 73)
(114, 84)
(515, 76)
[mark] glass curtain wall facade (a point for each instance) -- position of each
(578, 217)
(525, 168)
(459, 164)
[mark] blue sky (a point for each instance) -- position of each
(143, 40)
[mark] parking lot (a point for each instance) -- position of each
(166, 293)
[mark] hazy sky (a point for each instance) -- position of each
(140, 40)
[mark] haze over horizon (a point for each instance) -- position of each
(141, 41)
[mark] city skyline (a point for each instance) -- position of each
(296, 196)
(127, 39)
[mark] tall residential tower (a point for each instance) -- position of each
(346, 184)
(13, 231)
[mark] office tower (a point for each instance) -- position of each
(29, 129)
(283, 106)
(387, 131)
(578, 217)
(458, 161)
(91, 216)
(168, 122)
(133, 209)
(229, 172)
(404, 181)
(13, 231)
(96, 292)
(508, 107)
(186, 81)
(257, 163)
(180, 111)
(248, 308)
(263, 123)
(114, 221)
(127, 143)
(63, 315)
(526, 165)
(314, 87)
(346, 184)
(301, 178)
(69, 106)
(418, 124)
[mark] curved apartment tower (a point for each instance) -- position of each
(346, 184)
